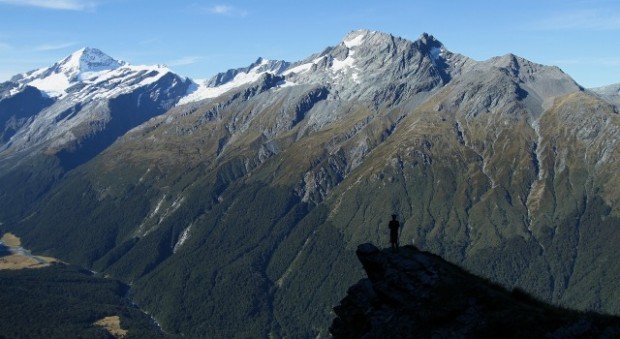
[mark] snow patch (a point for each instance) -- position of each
(54, 85)
(201, 90)
(303, 67)
(123, 80)
(299, 69)
(286, 83)
(356, 41)
(15, 90)
(341, 66)
(338, 65)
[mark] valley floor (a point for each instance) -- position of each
(43, 297)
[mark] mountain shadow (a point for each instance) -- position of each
(16, 110)
(414, 293)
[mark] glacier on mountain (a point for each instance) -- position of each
(89, 73)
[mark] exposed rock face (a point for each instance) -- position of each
(505, 167)
(17, 110)
(610, 93)
(80, 105)
(417, 294)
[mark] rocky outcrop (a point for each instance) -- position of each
(413, 293)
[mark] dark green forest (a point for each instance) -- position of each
(63, 301)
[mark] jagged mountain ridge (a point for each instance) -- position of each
(279, 176)
(90, 75)
(360, 59)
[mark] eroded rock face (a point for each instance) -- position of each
(417, 294)
(506, 167)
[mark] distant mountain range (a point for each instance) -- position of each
(233, 205)
(610, 93)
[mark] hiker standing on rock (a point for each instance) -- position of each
(394, 226)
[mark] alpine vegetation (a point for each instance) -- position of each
(233, 205)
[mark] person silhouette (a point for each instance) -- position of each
(394, 226)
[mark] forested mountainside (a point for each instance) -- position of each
(233, 206)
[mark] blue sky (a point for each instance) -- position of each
(200, 38)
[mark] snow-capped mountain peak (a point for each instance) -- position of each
(362, 58)
(87, 60)
(82, 93)
(89, 72)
